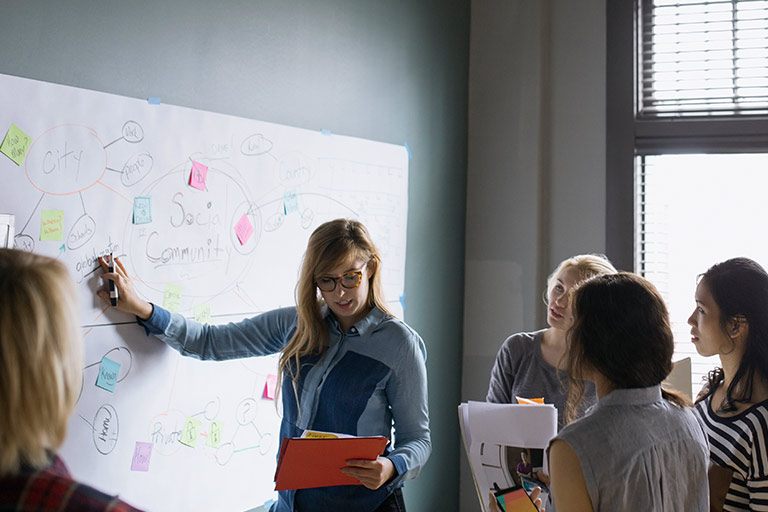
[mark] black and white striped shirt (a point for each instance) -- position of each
(740, 443)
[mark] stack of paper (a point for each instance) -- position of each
(495, 437)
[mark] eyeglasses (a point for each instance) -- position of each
(347, 279)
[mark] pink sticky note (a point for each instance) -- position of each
(198, 175)
(141, 455)
(244, 229)
(269, 387)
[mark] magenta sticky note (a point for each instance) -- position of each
(269, 387)
(141, 455)
(244, 229)
(198, 175)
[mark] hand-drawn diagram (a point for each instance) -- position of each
(230, 240)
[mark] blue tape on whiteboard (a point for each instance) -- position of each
(325, 132)
(402, 301)
(408, 150)
(153, 101)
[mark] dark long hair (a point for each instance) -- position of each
(621, 330)
(739, 287)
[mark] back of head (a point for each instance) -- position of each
(739, 287)
(621, 330)
(41, 358)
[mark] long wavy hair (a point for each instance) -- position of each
(739, 287)
(332, 244)
(621, 330)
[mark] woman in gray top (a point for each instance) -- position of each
(640, 447)
(527, 363)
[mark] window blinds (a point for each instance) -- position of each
(703, 58)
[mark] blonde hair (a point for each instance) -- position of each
(41, 358)
(332, 244)
(587, 265)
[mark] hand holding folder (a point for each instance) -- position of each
(306, 462)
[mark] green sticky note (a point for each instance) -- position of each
(16, 144)
(190, 432)
(203, 313)
(52, 225)
(214, 434)
(172, 297)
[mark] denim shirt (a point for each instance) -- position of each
(368, 378)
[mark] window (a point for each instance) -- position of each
(687, 144)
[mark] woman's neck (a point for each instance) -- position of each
(553, 346)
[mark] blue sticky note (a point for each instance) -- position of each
(290, 203)
(108, 372)
(142, 209)
(153, 100)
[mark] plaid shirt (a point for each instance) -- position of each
(51, 489)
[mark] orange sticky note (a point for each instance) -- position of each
(522, 400)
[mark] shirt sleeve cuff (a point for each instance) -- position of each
(400, 467)
(156, 323)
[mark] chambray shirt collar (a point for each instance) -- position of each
(363, 327)
(633, 396)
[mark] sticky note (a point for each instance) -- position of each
(172, 297)
(153, 100)
(189, 432)
(141, 455)
(108, 372)
(142, 209)
(214, 434)
(52, 225)
(198, 175)
(290, 203)
(521, 400)
(269, 387)
(203, 313)
(244, 229)
(16, 144)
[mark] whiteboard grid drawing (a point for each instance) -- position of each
(208, 212)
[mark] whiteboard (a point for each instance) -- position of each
(73, 197)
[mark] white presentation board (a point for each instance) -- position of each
(74, 195)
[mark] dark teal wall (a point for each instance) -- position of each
(390, 71)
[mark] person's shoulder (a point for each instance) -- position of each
(68, 494)
(399, 330)
(522, 341)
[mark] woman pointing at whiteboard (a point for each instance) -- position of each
(346, 363)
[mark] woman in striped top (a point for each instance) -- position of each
(731, 321)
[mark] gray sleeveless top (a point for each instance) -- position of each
(640, 452)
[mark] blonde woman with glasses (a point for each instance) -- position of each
(346, 364)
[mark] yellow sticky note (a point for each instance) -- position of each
(311, 434)
(52, 225)
(203, 313)
(16, 144)
(214, 434)
(190, 431)
(172, 297)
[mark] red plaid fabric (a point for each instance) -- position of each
(53, 489)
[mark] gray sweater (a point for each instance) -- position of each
(520, 370)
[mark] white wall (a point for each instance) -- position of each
(536, 167)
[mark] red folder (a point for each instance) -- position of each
(307, 462)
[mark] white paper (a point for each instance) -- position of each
(495, 434)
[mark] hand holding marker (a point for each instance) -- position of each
(112, 287)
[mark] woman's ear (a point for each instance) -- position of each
(738, 327)
(372, 267)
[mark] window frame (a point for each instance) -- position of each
(629, 136)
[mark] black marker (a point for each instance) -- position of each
(112, 287)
